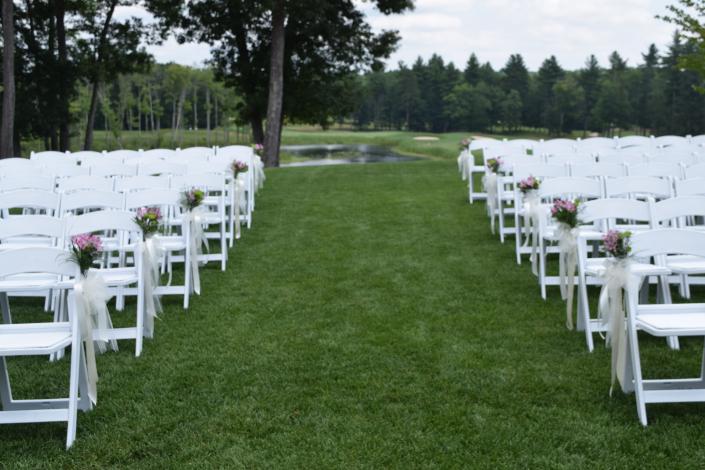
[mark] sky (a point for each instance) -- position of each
(493, 29)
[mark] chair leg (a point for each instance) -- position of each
(5, 307)
(5, 389)
(187, 277)
(73, 394)
(542, 270)
(139, 340)
(636, 371)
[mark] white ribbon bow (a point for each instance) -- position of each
(152, 252)
(489, 181)
(464, 164)
(568, 261)
(92, 296)
(194, 220)
(532, 218)
(259, 173)
(617, 276)
(239, 202)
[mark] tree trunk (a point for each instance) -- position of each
(215, 118)
(208, 116)
(88, 141)
(257, 129)
(7, 132)
(195, 108)
(180, 114)
(151, 110)
(276, 86)
(97, 76)
(64, 79)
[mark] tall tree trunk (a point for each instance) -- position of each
(7, 132)
(257, 128)
(208, 116)
(195, 108)
(276, 86)
(180, 114)
(151, 110)
(64, 79)
(97, 76)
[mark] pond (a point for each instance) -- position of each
(317, 155)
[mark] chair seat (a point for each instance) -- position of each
(597, 266)
(34, 339)
(29, 282)
(684, 264)
(118, 276)
(585, 232)
(673, 324)
(172, 243)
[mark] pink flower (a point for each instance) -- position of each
(87, 242)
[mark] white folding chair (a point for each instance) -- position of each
(691, 187)
(52, 156)
(635, 141)
(164, 154)
(85, 155)
(664, 320)
(41, 339)
(161, 168)
(123, 235)
(198, 153)
(213, 185)
(27, 182)
(551, 189)
(123, 156)
(639, 187)
(78, 202)
(597, 170)
(175, 242)
(657, 169)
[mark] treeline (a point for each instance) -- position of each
(656, 96)
(168, 96)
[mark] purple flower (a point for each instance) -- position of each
(87, 242)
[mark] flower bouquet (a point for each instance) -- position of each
(529, 184)
(566, 212)
(494, 164)
(192, 198)
(617, 244)
(258, 148)
(464, 144)
(239, 167)
(85, 249)
(149, 219)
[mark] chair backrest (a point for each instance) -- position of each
(240, 151)
(123, 155)
(661, 170)
(691, 187)
(161, 168)
(539, 170)
(31, 225)
(152, 197)
(635, 140)
(35, 199)
(135, 183)
(668, 140)
(698, 139)
(84, 155)
(592, 144)
(523, 144)
(63, 169)
(615, 209)
(195, 152)
(52, 156)
(204, 181)
(37, 260)
(573, 158)
(673, 211)
(508, 161)
(592, 170)
(668, 241)
(584, 188)
(627, 186)
(27, 181)
(113, 169)
(164, 154)
(695, 171)
(91, 199)
(555, 147)
(11, 167)
(85, 182)
(623, 156)
(102, 221)
(475, 144)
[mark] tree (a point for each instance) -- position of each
(516, 76)
(472, 70)
(549, 74)
(569, 101)
(7, 132)
(468, 106)
(324, 40)
(110, 47)
(589, 79)
(511, 110)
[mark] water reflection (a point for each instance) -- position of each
(318, 155)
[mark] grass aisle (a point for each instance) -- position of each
(368, 319)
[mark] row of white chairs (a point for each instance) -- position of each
(667, 219)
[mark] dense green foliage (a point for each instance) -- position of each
(416, 342)
(657, 96)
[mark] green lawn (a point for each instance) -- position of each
(368, 319)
